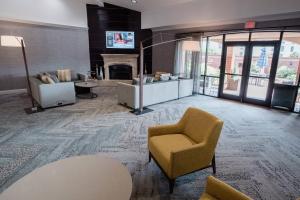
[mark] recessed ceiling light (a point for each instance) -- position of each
(133, 1)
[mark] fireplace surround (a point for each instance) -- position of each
(120, 60)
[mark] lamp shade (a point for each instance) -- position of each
(191, 45)
(11, 41)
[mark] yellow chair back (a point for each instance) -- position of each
(201, 126)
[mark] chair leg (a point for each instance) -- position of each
(213, 162)
(171, 185)
(149, 156)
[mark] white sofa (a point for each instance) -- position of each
(53, 95)
(154, 93)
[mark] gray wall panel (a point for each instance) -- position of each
(163, 55)
(47, 48)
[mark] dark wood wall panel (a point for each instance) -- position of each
(114, 18)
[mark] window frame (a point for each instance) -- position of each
(205, 76)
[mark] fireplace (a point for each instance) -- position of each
(120, 66)
(120, 72)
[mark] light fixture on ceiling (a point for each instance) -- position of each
(100, 3)
(133, 1)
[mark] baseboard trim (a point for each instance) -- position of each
(16, 91)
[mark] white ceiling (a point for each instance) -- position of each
(171, 14)
(146, 5)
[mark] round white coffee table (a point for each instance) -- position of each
(78, 178)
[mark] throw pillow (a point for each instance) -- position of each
(46, 79)
(50, 80)
(43, 78)
(53, 77)
(149, 79)
(136, 81)
(64, 75)
(173, 78)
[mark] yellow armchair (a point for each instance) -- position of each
(187, 146)
(216, 189)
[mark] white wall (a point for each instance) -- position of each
(215, 12)
(56, 12)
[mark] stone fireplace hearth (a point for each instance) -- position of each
(119, 59)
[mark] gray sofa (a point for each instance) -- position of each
(52, 95)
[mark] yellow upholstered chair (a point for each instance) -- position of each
(216, 189)
(187, 146)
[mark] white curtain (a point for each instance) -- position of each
(188, 61)
(178, 63)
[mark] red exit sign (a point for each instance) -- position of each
(250, 25)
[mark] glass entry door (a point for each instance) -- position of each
(233, 70)
(261, 73)
(248, 71)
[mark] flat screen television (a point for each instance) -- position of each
(119, 40)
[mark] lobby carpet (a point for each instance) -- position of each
(258, 151)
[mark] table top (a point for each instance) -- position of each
(87, 84)
(94, 177)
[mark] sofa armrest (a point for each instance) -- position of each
(35, 87)
(57, 94)
(82, 77)
(127, 95)
(164, 130)
(221, 190)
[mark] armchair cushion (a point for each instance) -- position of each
(162, 146)
(199, 124)
(220, 190)
(207, 197)
(164, 130)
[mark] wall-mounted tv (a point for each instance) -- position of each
(119, 40)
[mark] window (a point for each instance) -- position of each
(288, 68)
(297, 104)
(292, 48)
(265, 36)
(214, 56)
(203, 55)
(211, 73)
(237, 37)
(200, 77)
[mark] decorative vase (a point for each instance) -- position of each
(100, 75)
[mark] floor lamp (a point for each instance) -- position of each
(14, 41)
(142, 109)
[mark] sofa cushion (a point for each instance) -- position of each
(162, 146)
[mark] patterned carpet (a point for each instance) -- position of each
(258, 152)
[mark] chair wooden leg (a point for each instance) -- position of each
(213, 162)
(171, 185)
(149, 156)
